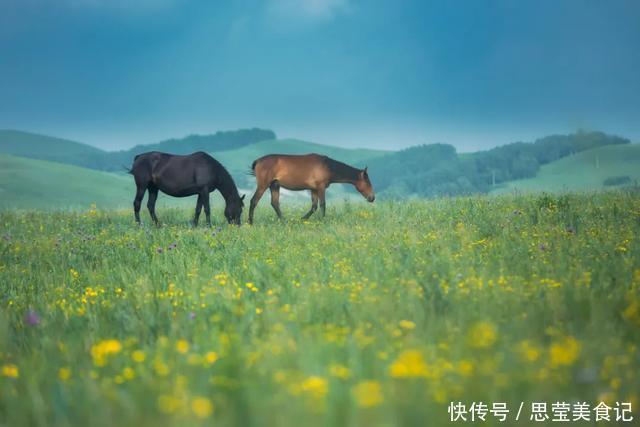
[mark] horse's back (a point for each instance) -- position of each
(153, 160)
(301, 160)
(179, 175)
(292, 171)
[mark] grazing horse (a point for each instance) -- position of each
(182, 176)
(307, 172)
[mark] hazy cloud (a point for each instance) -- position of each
(313, 10)
(126, 7)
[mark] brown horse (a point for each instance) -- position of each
(307, 172)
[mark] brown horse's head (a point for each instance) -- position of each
(363, 185)
(233, 210)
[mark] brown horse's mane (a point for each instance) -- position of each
(341, 171)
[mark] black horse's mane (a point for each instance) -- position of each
(227, 185)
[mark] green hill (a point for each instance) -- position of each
(437, 170)
(29, 183)
(35, 146)
(39, 184)
(218, 142)
(34, 183)
(587, 170)
(548, 164)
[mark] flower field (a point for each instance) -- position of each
(380, 314)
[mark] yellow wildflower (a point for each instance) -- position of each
(368, 394)
(138, 356)
(564, 352)
(465, 368)
(104, 348)
(315, 386)
(211, 357)
(482, 335)
(182, 346)
(408, 364)
(407, 324)
(632, 312)
(10, 370)
(528, 352)
(339, 371)
(64, 374)
(201, 407)
(160, 367)
(128, 373)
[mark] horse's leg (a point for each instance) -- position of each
(275, 198)
(138, 201)
(323, 206)
(151, 203)
(205, 203)
(254, 201)
(196, 217)
(314, 204)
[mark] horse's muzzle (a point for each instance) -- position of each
(371, 198)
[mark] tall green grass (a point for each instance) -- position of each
(377, 315)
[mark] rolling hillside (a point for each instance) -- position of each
(29, 183)
(583, 171)
(39, 184)
(34, 183)
(35, 146)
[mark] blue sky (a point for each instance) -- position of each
(386, 74)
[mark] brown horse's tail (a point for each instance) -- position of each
(252, 172)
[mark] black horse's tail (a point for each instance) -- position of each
(130, 170)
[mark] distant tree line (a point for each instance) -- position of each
(220, 141)
(437, 170)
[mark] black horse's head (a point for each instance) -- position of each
(233, 210)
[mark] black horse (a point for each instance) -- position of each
(182, 176)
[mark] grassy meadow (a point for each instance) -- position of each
(378, 315)
(39, 184)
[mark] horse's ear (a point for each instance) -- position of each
(365, 170)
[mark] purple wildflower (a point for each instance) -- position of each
(32, 318)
